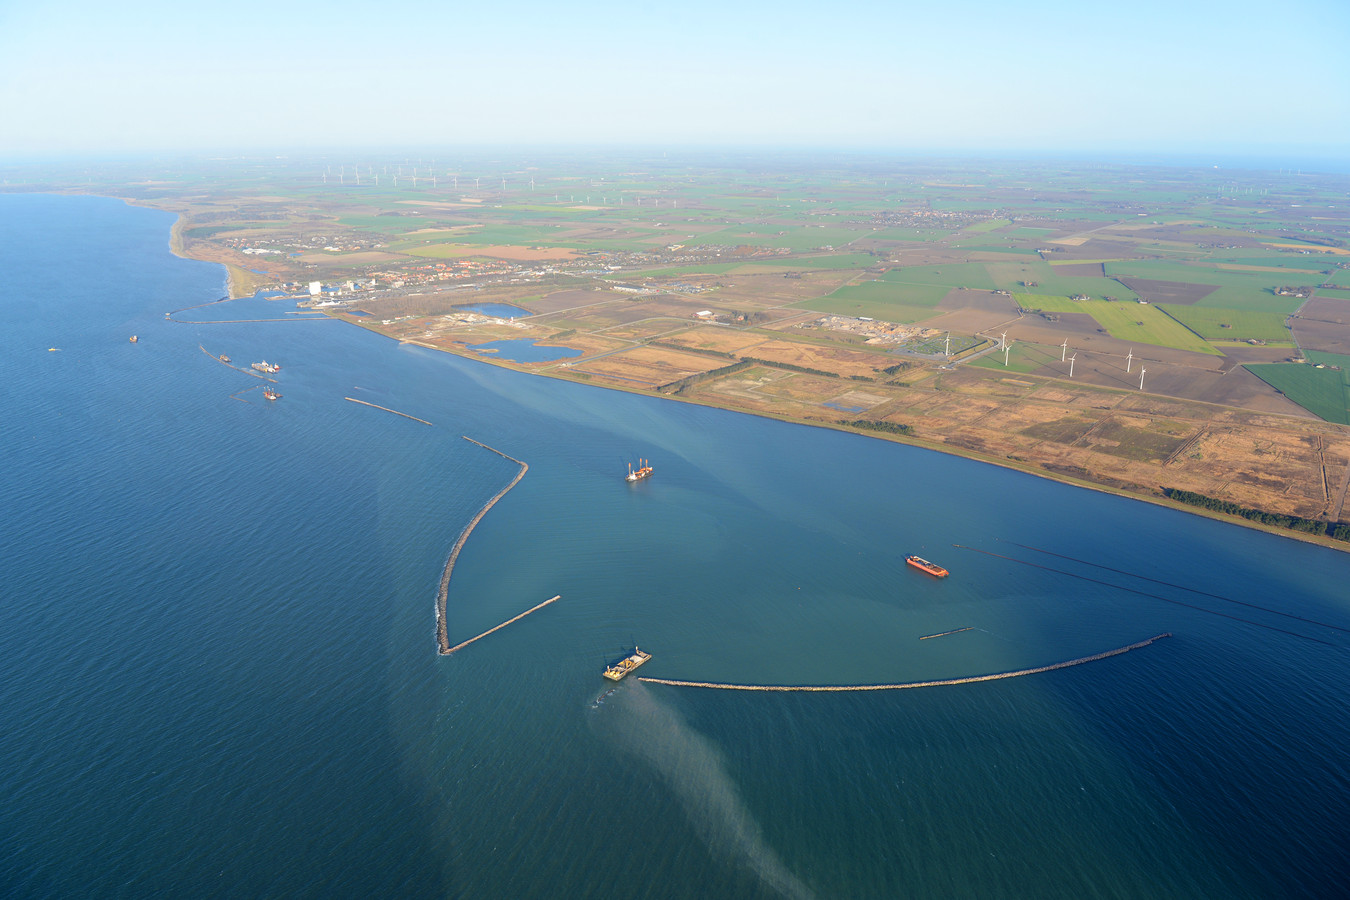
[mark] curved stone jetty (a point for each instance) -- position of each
(442, 637)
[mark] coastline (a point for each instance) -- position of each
(950, 450)
(239, 286)
(239, 282)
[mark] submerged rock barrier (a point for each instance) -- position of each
(913, 684)
(442, 637)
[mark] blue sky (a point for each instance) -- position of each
(1184, 76)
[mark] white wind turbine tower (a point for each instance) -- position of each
(1141, 378)
(531, 182)
(947, 351)
(1129, 360)
(1071, 359)
(1063, 349)
(1003, 341)
(1007, 351)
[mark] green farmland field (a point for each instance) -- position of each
(1323, 392)
(837, 261)
(1010, 277)
(1235, 289)
(922, 295)
(885, 312)
(1243, 324)
(1144, 324)
(797, 239)
(970, 275)
(988, 226)
(1049, 303)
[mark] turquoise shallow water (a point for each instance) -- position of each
(218, 672)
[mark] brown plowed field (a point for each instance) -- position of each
(1168, 291)
(1323, 324)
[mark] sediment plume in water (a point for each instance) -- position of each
(913, 684)
(442, 637)
(697, 775)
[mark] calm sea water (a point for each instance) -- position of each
(218, 672)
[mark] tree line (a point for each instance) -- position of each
(1337, 530)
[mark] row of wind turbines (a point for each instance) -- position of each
(477, 183)
(1006, 346)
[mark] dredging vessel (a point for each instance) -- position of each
(621, 668)
(642, 471)
(265, 366)
(924, 565)
(271, 394)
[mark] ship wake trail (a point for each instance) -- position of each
(693, 768)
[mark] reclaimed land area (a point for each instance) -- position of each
(1092, 325)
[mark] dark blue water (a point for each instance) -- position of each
(218, 672)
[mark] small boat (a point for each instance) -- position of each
(224, 358)
(271, 394)
(924, 565)
(134, 339)
(643, 471)
(621, 668)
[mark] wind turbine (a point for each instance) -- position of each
(1129, 360)
(1071, 359)
(947, 351)
(1003, 341)
(1141, 378)
(1007, 351)
(1063, 349)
